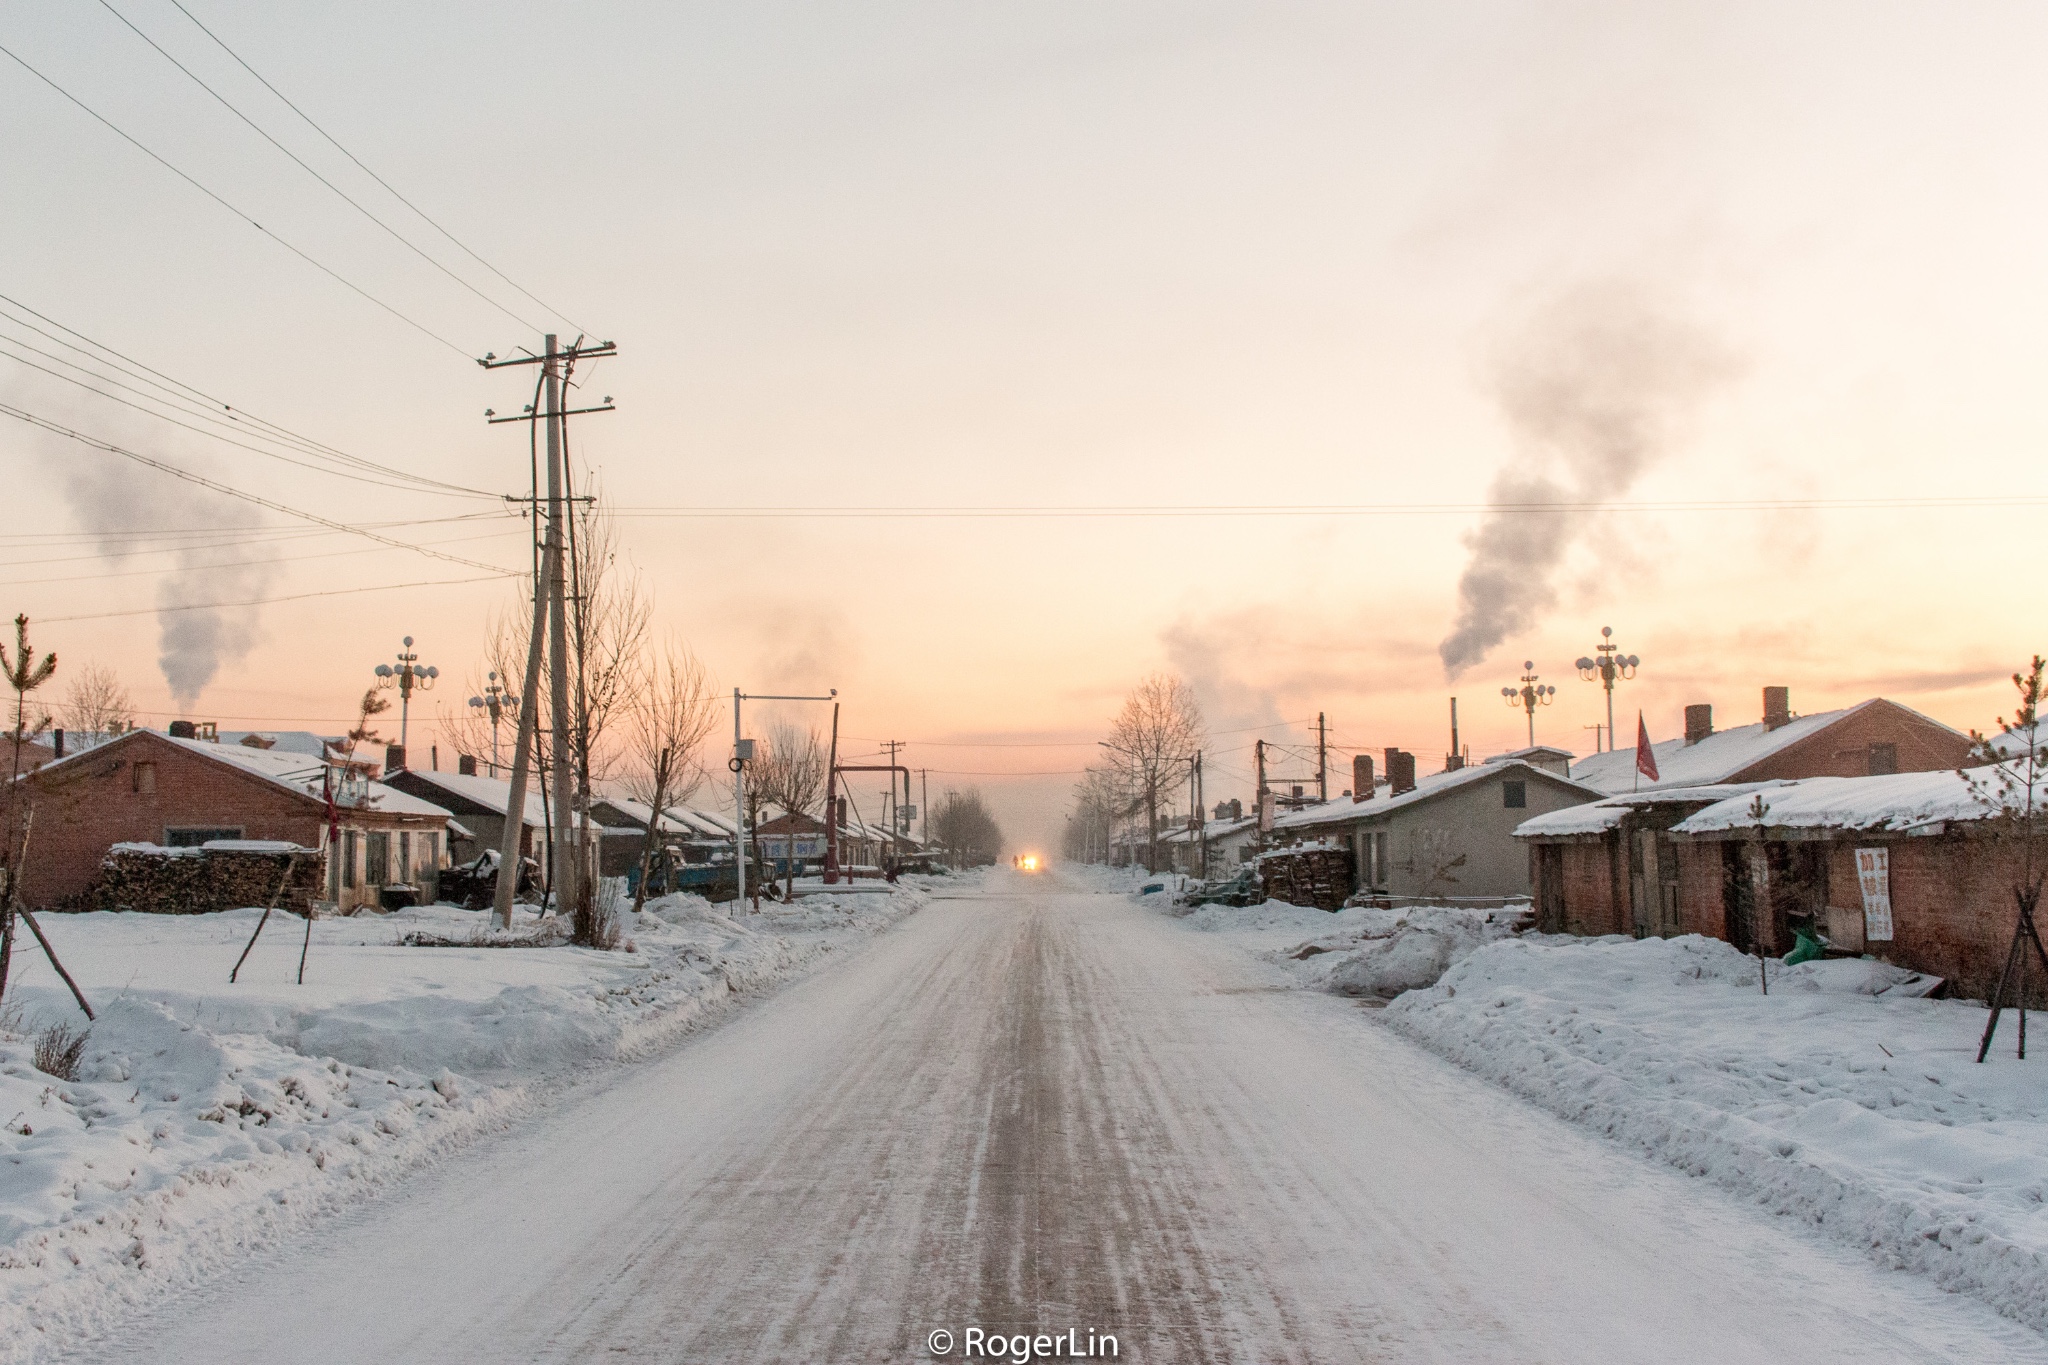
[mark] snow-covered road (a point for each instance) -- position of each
(1034, 1110)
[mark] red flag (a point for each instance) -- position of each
(1646, 757)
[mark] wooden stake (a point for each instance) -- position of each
(290, 862)
(51, 953)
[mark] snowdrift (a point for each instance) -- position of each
(208, 1120)
(1831, 1100)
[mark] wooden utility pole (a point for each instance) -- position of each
(550, 613)
(1322, 759)
(1259, 798)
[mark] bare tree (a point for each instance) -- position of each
(675, 714)
(96, 706)
(965, 827)
(793, 777)
(1102, 801)
(1151, 740)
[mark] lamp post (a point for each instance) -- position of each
(1530, 695)
(1605, 665)
(497, 699)
(408, 678)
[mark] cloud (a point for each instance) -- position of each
(1597, 385)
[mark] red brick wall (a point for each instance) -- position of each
(1843, 749)
(1952, 909)
(89, 804)
(1702, 904)
(1595, 902)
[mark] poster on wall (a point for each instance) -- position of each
(1874, 875)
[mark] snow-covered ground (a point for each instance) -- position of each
(1839, 1099)
(1861, 1115)
(209, 1118)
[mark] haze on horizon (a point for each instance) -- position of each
(1383, 265)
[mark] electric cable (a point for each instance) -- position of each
(327, 270)
(424, 217)
(339, 192)
(136, 369)
(265, 601)
(230, 490)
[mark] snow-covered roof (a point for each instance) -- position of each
(640, 812)
(2015, 745)
(1597, 817)
(1720, 757)
(1892, 803)
(492, 793)
(1532, 754)
(303, 742)
(297, 773)
(1426, 788)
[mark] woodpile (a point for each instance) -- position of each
(1313, 874)
(197, 881)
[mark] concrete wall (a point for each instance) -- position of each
(1460, 843)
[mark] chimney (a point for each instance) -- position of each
(1777, 706)
(1361, 777)
(1400, 772)
(1455, 759)
(1699, 722)
(839, 811)
(465, 765)
(394, 758)
(57, 740)
(184, 729)
(1295, 791)
(1236, 809)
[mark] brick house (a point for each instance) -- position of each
(478, 805)
(1911, 868)
(1450, 835)
(146, 787)
(1614, 869)
(1868, 739)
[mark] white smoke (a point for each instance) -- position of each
(1597, 386)
(116, 501)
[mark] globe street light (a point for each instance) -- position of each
(408, 678)
(1606, 665)
(1529, 696)
(497, 699)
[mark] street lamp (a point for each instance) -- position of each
(497, 699)
(1530, 695)
(408, 678)
(1607, 664)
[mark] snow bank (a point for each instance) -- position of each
(1359, 950)
(209, 1119)
(1830, 1100)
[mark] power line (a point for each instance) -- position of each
(424, 217)
(327, 270)
(265, 601)
(339, 192)
(354, 475)
(179, 389)
(1903, 502)
(220, 564)
(230, 490)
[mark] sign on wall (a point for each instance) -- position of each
(1874, 875)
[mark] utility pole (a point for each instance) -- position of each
(1322, 758)
(565, 860)
(550, 610)
(1259, 800)
(895, 823)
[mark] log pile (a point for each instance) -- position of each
(1314, 874)
(198, 881)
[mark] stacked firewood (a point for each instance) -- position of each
(197, 881)
(1315, 874)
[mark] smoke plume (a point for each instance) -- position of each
(115, 502)
(1597, 387)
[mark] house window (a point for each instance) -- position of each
(405, 856)
(1884, 758)
(145, 779)
(376, 858)
(1514, 795)
(430, 850)
(349, 842)
(194, 837)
